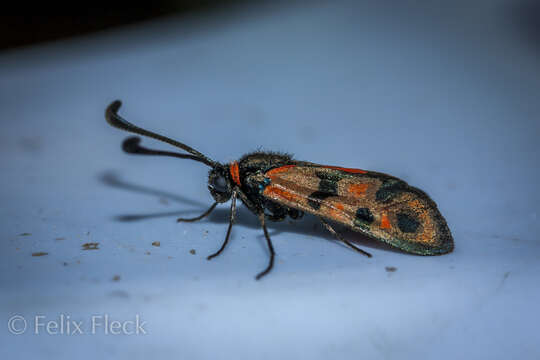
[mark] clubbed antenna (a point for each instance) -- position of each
(131, 145)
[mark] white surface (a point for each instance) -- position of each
(445, 98)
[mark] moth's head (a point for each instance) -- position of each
(219, 184)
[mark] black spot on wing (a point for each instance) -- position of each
(315, 199)
(363, 217)
(327, 188)
(407, 223)
(389, 189)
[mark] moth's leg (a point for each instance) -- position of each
(205, 214)
(231, 221)
(276, 218)
(278, 213)
(252, 207)
(340, 238)
(270, 247)
(295, 214)
(275, 212)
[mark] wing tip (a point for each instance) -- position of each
(443, 245)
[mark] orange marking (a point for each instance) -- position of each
(335, 211)
(385, 223)
(357, 189)
(279, 170)
(336, 215)
(235, 173)
(277, 192)
(353, 171)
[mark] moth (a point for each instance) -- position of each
(274, 186)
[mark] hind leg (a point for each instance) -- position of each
(340, 238)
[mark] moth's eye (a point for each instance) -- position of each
(220, 184)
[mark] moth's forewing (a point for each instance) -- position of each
(376, 204)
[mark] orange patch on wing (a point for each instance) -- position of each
(280, 193)
(385, 223)
(357, 189)
(352, 171)
(336, 212)
(279, 170)
(235, 172)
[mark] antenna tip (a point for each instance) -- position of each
(131, 144)
(112, 109)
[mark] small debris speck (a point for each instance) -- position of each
(41, 253)
(147, 252)
(65, 263)
(390, 269)
(60, 238)
(192, 252)
(25, 234)
(164, 201)
(90, 246)
(116, 278)
(156, 243)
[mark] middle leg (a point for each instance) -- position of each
(205, 214)
(270, 247)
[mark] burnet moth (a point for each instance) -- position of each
(274, 186)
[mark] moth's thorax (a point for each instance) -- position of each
(262, 161)
(248, 174)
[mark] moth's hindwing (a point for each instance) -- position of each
(376, 204)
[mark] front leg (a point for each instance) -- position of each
(231, 222)
(249, 204)
(205, 214)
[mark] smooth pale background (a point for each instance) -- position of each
(444, 96)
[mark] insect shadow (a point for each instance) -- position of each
(308, 225)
